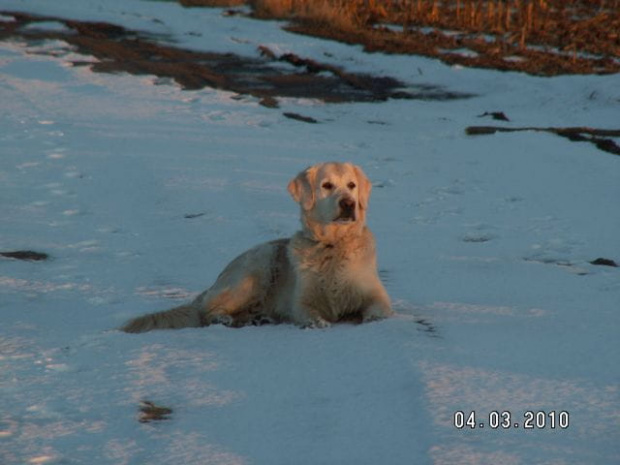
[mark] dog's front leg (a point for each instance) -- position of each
(305, 312)
(379, 306)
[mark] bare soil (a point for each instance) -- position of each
(601, 138)
(465, 49)
(121, 50)
(27, 255)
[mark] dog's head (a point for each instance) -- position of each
(332, 193)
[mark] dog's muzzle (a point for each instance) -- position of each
(347, 210)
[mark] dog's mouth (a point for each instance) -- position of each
(345, 217)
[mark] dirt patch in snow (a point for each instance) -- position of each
(602, 138)
(121, 50)
(27, 255)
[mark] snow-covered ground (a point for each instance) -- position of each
(484, 245)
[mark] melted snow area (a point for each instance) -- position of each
(141, 192)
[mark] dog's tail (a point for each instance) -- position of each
(185, 316)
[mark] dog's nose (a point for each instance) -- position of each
(347, 204)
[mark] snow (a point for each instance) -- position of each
(484, 245)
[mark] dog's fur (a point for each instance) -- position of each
(324, 274)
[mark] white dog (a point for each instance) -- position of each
(324, 274)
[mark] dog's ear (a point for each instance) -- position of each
(301, 187)
(364, 187)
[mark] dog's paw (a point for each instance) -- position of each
(317, 323)
(262, 320)
(225, 320)
(371, 318)
(376, 313)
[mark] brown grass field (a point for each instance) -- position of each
(542, 37)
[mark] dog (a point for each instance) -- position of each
(325, 273)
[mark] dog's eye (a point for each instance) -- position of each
(351, 185)
(328, 185)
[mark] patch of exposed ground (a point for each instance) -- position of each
(601, 138)
(27, 255)
(465, 49)
(121, 50)
(540, 37)
(150, 412)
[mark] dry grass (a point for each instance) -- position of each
(338, 13)
(517, 21)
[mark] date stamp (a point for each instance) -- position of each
(529, 420)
